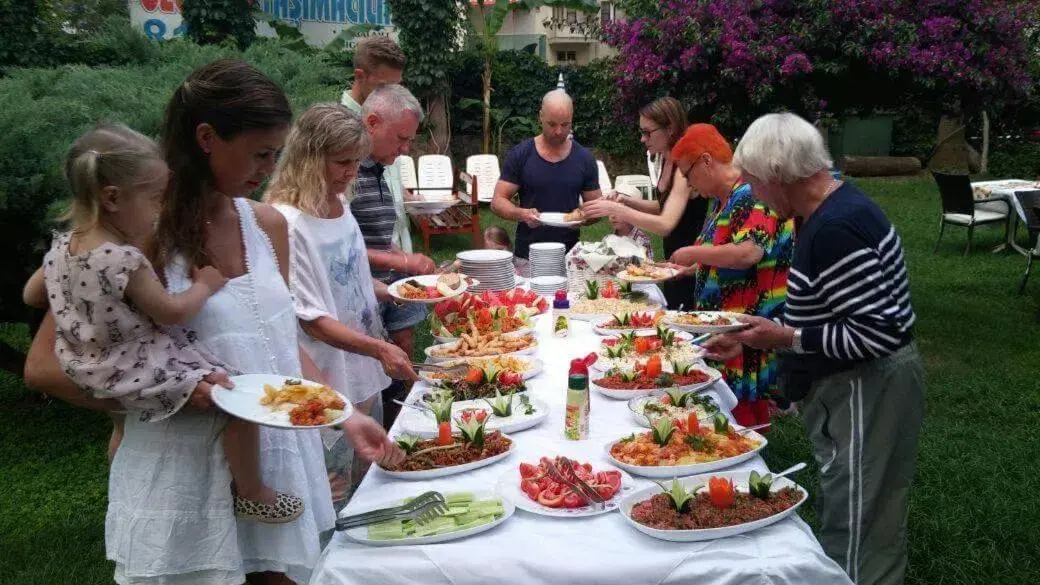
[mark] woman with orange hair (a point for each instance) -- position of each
(740, 260)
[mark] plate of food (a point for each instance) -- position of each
(508, 413)
(490, 344)
(532, 489)
(646, 273)
(517, 300)
(639, 321)
(527, 366)
(282, 402)
(673, 403)
(628, 350)
(717, 505)
(428, 288)
(668, 449)
(448, 453)
(648, 377)
(450, 326)
(468, 513)
(570, 219)
(703, 321)
(600, 302)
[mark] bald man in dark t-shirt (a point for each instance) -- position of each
(551, 172)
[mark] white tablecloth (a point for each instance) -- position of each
(603, 550)
(1005, 189)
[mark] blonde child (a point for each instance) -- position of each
(116, 324)
(496, 238)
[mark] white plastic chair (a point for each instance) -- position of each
(604, 177)
(485, 168)
(641, 182)
(406, 165)
(654, 166)
(435, 176)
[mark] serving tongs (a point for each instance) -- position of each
(458, 369)
(422, 509)
(570, 479)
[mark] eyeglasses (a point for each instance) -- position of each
(648, 133)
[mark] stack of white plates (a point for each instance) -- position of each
(547, 259)
(548, 285)
(493, 268)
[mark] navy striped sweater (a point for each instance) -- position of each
(848, 288)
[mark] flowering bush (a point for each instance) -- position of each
(731, 61)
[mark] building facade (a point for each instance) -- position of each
(559, 35)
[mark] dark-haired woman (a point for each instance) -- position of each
(170, 519)
(675, 213)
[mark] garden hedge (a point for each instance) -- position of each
(46, 109)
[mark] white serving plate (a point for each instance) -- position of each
(445, 471)
(433, 359)
(424, 280)
(555, 219)
(424, 426)
(734, 326)
(445, 339)
(597, 317)
(509, 486)
(740, 481)
(484, 256)
(635, 407)
(535, 368)
(670, 471)
(713, 376)
(429, 207)
(599, 329)
(243, 401)
(624, 277)
(360, 534)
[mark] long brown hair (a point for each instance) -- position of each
(669, 114)
(233, 97)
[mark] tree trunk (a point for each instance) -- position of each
(984, 160)
(486, 80)
(440, 125)
(952, 152)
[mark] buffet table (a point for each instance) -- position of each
(604, 549)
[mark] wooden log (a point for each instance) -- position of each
(879, 166)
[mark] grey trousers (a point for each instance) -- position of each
(864, 425)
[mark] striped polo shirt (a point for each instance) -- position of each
(848, 288)
(373, 208)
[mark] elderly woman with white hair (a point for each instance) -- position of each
(848, 345)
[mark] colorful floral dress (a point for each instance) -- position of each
(759, 290)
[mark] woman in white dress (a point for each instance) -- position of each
(336, 304)
(170, 519)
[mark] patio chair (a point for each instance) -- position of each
(641, 182)
(604, 177)
(484, 167)
(408, 177)
(1030, 201)
(959, 207)
(459, 219)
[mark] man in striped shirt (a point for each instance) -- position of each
(847, 340)
(391, 115)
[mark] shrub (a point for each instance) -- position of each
(46, 109)
(220, 21)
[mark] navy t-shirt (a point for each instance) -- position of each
(549, 186)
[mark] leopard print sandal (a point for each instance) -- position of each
(285, 508)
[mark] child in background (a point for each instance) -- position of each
(496, 238)
(116, 324)
(630, 231)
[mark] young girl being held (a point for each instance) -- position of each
(116, 324)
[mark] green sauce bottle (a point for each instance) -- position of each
(576, 417)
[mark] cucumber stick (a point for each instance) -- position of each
(464, 512)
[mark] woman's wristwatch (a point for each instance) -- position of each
(796, 341)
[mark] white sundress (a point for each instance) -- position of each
(170, 517)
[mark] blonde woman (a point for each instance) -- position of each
(335, 295)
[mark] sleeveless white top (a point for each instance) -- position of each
(170, 518)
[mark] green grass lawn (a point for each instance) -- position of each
(973, 515)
